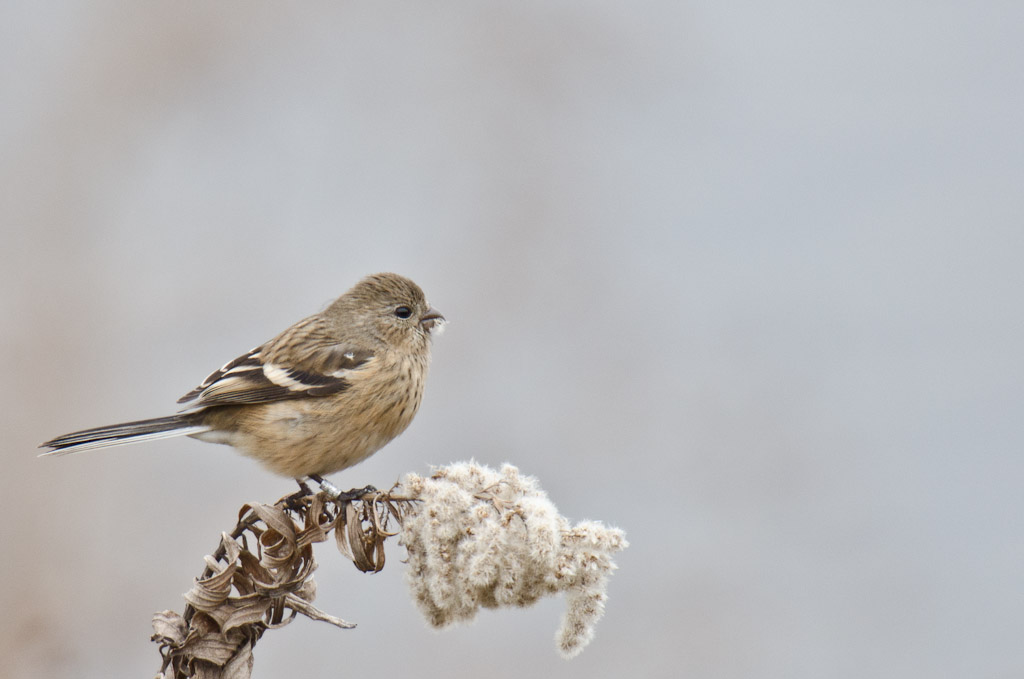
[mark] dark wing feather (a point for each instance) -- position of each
(250, 362)
(302, 362)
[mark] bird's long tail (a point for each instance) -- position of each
(127, 432)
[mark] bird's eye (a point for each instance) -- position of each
(403, 312)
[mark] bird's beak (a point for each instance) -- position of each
(431, 319)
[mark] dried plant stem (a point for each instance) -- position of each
(290, 502)
(242, 592)
(475, 538)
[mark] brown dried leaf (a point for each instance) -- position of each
(370, 510)
(211, 592)
(252, 571)
(276, 520)
(240, 611)
(310, 611)
(275, 553)
(288, 577)
(214, 648)
(231, 548)
(203, 624)
(242, 594)
(362, 557)
(395, 509)
(378, 546)
(341, 536)
(313, 534)
(169, 628)
(277, 541)
(307, 591)
(376, 536)
(240, 666)
(318, 523)
(205, 670)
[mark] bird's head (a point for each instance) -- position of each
(393, 309)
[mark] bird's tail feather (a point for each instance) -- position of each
(121, 434)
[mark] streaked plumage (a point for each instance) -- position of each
(323, 395)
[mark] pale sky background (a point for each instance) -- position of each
(743, 279)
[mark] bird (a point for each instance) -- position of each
(323, 395)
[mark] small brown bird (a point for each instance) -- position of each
(325, 394)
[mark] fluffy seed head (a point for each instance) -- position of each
(483, 538)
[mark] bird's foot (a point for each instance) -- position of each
(336, 494)
(295, 498)
(326, 486)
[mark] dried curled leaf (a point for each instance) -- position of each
(214, 648)
(169, 628)
(243, 593)
(319, 522)
(361, 531)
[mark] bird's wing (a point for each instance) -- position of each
(303, 361)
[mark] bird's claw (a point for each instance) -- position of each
(337, 494)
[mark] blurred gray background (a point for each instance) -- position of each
(743, 279)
